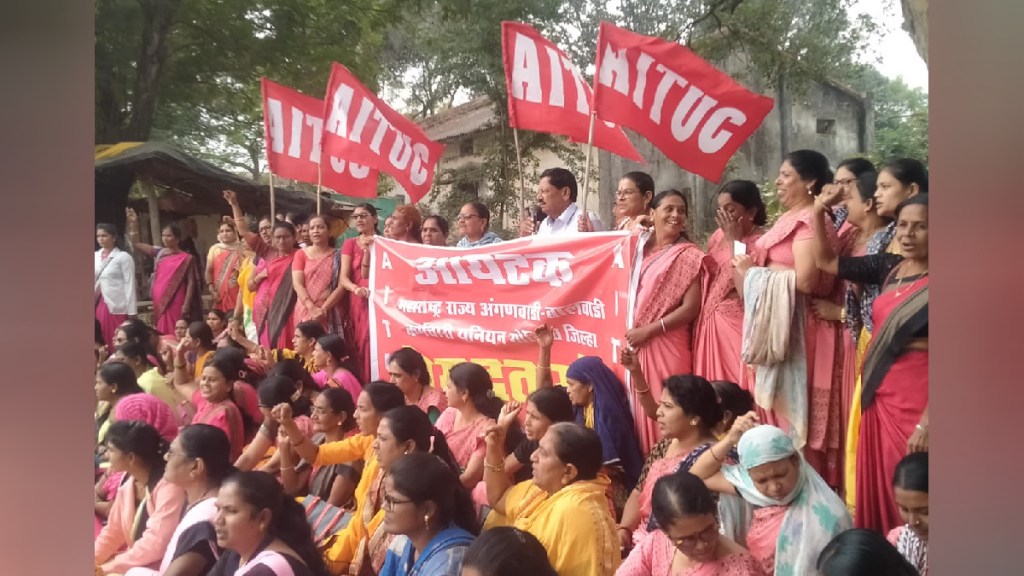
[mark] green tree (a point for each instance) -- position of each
(901, 114)
(188, 71)
(446, 48)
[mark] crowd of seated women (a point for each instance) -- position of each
(217, 454)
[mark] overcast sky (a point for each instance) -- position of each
(894, 54)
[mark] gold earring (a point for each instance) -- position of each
(693, 422)
(426, 519)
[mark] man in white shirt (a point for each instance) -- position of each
(556, 196)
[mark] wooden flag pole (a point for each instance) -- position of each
(586, 166)
(273, 214)
(319, 178)
(522, 177)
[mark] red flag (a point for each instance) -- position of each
(293, 128)
(361, 127)
(548, 93)
(695, 114)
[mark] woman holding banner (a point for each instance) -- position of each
(741, 217)
(599, 403)
(669, 277)
(632, 198)
(271, 279)
(474, 222)
(175, 277)
(797, 357)
(315, 277)
(355, 277)
(223, 262)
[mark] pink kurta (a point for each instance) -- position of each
(719, 334)
(341, 378)
(657, 469)
(763, 535)
(464, 443)
(431, 398)
(224, 415)
(654, 554)
(114, 549)
(822, 344)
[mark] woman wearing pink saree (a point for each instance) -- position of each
(271, 279)
(669, 275)
(223, 262)
(798, 386)
(176, 280)
(315, 278)
(355, 278)
(741, 218)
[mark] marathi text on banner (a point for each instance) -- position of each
(483, 304)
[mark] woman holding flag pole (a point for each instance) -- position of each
(271, 279)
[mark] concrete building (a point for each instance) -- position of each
(826, 117)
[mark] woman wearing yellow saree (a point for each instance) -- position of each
(564, 505)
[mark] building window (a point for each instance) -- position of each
(826, 126)
(466, 147)
(469, 189)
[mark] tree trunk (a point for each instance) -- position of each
(915, 22)
(158, 15)
(785, 112)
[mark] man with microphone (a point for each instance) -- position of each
(560, 215)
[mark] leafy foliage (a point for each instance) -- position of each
(208, 93)
(901, 115)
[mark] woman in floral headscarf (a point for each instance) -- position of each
(796, 514)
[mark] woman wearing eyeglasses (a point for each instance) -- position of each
(688, 542)
(474, 221)
(633, 198)
(355, 278)
(431, 516)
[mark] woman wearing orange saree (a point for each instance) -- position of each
(719, 335)
(669, 275)
(176, 280)
(315, 277)
(799, 388)
(274, 304)
(223, 262)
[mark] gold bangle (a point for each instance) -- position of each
(712, 450)
(842, 315)
(283, 468)
(494, 467)
(543, 367)
(644, 391)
